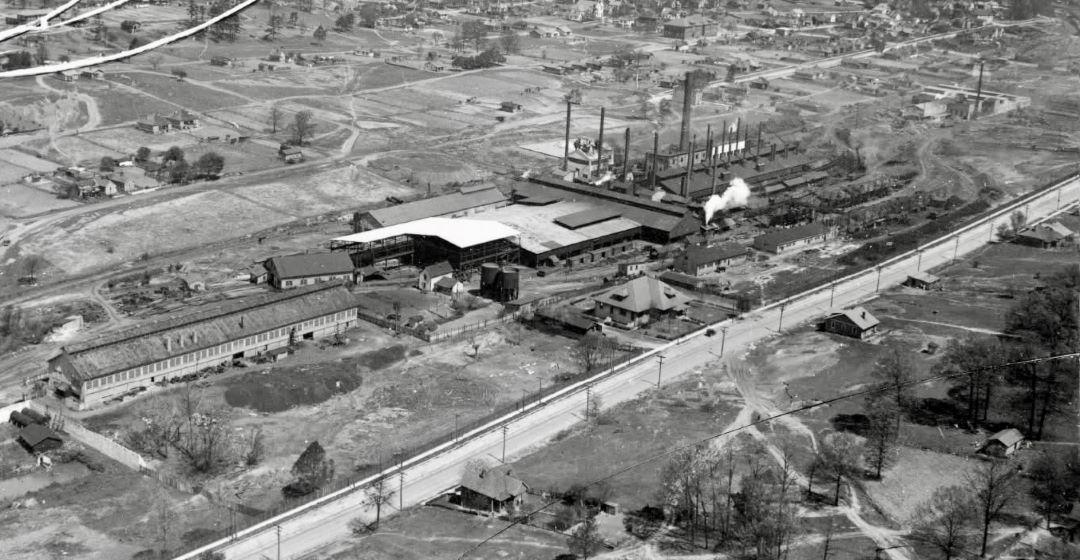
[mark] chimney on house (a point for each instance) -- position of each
(241, 321)
(168, 344)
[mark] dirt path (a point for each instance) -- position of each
(886, 539)
(949, 325)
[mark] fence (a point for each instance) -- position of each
(106, 446)
(493, 421)
(459, 333)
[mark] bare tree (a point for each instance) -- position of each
(881, 432)
(254, 447)
(895, 372)
(302, 127)
(31, 266)
(164, 518)
(944, 522)
(475, 342)
(378, 493)
(993, 487)
(585, 540)
(590, 349)
(275, 117)
(841, 453)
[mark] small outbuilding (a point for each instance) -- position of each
(431, 275)
(856, 323)
(922, 281)
(449, 285)
(39, 439)
(1003, 444)
(495, 490)
(292, 271)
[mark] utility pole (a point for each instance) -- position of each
(918, 264)
(956, 248)
(659, 369)
(401, 490)
(878, 286)
(504, 430)
(278, 527)
(832, 293)
(588, 397)
(780, 323)
(978, 91)
(723, 339)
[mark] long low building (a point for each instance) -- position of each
(466, 202)
(97, 371)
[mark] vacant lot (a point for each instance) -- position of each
(629, 433)
(183, 93)
(432, 532)
(914, 478)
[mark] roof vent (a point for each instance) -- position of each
(864, 314)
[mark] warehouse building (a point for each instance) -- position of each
(698, 260)
(129, 361)
(292, 271)
(556, 231)
(464, 243)
(466, 202)
(799, 237)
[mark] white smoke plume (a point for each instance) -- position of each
(736, 195)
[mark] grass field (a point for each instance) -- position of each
(914, 478)
(118, 105)
(184, 93)
(627, 434)
(18, 200)
(432, 532)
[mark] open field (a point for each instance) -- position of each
(18, 200)
(914, 478)
(432, 532)
(631, 432)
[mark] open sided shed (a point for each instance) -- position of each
(464, 243)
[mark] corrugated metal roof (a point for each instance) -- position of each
(436, 206)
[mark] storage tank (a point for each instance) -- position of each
(21, 420)
(510, 281)
(489, 278)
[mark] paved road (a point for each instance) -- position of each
(322, 523)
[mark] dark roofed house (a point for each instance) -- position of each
(1045, 236)
(290, 154)
(856, 323)
(698, 260)
(691, 27)
(494, 490)
(39, 439)
(636, 302)
(431, 275)
(1003, 443)
(182, 120)
(784, 239)
(922, 281)
(155, 124)
(292, 271)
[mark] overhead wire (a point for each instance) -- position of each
(677, 448)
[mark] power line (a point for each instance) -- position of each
(672, 450)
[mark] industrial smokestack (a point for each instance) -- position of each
(772, 152)
(600, 145)
(687, 107)
(566, 140)
(689, 170)
(626, 155)
(655, 154)
(723, 141)
(978, 90)
(712, 165)
(738, 128)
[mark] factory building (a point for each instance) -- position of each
(465, 243)
(129, 361)
(699, 259)
(557, 231)
(466, 202)
(799, 237)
